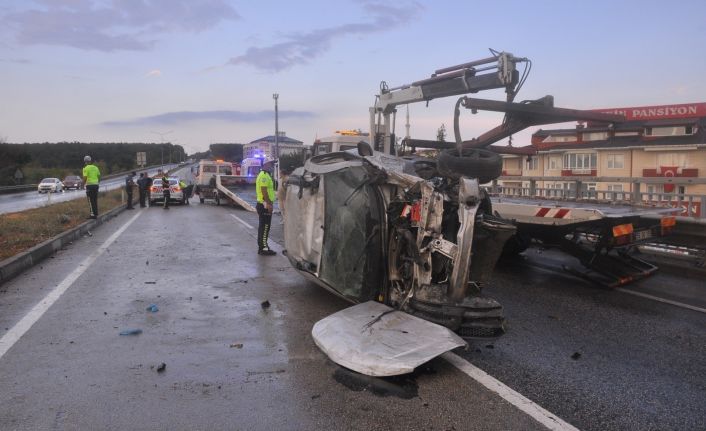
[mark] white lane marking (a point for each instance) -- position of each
(666, 301)
(242, 221)
(21, 327)
(534, 410)
(631, 292)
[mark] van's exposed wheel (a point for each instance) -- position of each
(478, 163)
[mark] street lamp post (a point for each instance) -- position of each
(276, 96)
(161, 137)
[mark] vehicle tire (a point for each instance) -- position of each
(478, 163)
(426, 169)
(201, 200)
(516, 245)
(218, 200)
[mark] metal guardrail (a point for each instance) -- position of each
(693, 205)
(17, 189)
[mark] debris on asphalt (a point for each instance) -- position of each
(237, 345)
(215, 297)
(152, 308)
(161, 367)
(575, 356)
(150, 282)
(265, 304)
(147, 262)
(135, 331)
(489, 346)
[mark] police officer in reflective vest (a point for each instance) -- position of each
(91, 179)
(265, 190)
(166, 193)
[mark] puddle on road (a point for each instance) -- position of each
(404, 386)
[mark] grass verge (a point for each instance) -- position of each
(23, 230)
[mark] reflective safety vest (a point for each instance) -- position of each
(264, 180)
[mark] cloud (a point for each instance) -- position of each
(301, 48)
(15, 60)
(175, 118)
(154, 73)
(113, 25)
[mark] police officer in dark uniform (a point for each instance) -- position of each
(142, 186)
(129, 187)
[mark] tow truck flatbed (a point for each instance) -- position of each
(599, 236)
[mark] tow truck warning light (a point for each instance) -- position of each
(623, 229)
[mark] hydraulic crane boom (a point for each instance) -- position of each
(498, 71)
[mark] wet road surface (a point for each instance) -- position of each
(211, 357)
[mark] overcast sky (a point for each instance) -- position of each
(195, 72)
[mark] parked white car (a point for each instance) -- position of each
(50, 185)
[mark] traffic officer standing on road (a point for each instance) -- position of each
(129, 187)
(142, 186)
(265, 190)
(165, 191)
(91, 178)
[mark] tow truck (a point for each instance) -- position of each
(215, 181)
(412, 241)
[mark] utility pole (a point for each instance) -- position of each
(276, 96)
(161, 137)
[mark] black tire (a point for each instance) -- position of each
(516, 245)
(201, 200)
(426, 169)
(478, 163)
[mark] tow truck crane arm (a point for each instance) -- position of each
(450, 81)
(467, 78)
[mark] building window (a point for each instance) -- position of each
(555, 163)
(670, 131)
(594, 136)
(532, 163)
(560, 138)
(580, 161)
(616, 161)
(672, 159)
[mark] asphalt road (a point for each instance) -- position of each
(598, 359)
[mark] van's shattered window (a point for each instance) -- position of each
(351, 234)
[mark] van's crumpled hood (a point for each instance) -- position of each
(374, 339)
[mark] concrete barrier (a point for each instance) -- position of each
(12, 266)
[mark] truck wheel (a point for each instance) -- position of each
(472, 163)
(201, 199)
(516, 245)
